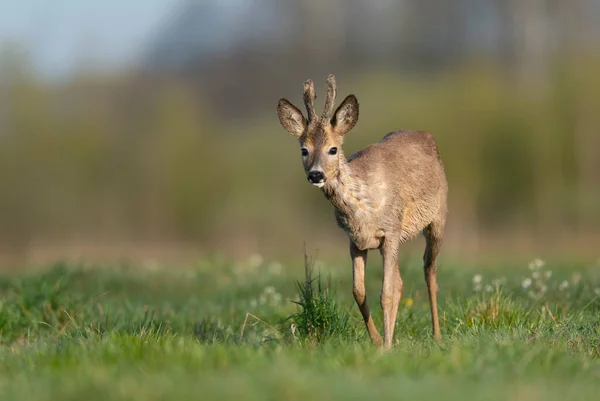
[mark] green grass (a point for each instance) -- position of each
(253, 330)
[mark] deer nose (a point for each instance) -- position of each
(316, 176)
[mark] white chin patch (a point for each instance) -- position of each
(318, 184)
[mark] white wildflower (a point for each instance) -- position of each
(274, 268)
(526, 283)
(563, 286)
(548, 273)
(536, 264)
(150, 265)
(269, 290)
(255, 260)
(477, 279)
(499, 282)
(543, 289)
(489, 288)
(535, 275)
(253, 303)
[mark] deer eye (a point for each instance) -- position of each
(304, 152)
(333, 151)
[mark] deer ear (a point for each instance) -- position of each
(290, 117)
(346, 115)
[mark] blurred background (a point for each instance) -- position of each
(147, 128)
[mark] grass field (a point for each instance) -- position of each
(221, 330)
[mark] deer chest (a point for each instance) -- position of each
(363, 233)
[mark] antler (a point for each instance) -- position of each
(309, 97)
(329, 103)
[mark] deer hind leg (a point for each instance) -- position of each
(433, 237)
(391, 291)
(359, 262)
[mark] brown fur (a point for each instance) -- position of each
(383, 195)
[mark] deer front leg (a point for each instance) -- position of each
(359, 262)
(391, 291)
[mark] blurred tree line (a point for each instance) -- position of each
(186, 146)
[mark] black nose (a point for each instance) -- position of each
(315, 176)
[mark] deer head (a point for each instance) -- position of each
(320, 138)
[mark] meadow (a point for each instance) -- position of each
(257, 329)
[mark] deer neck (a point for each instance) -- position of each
(348, 191)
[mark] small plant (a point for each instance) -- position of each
(319, 317)
(494, 285)
(269, 296)
(537, 285)
(489, 310)
(540, 284)
(211, 331)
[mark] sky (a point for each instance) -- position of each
(59, 33)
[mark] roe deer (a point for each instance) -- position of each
(383, 195)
